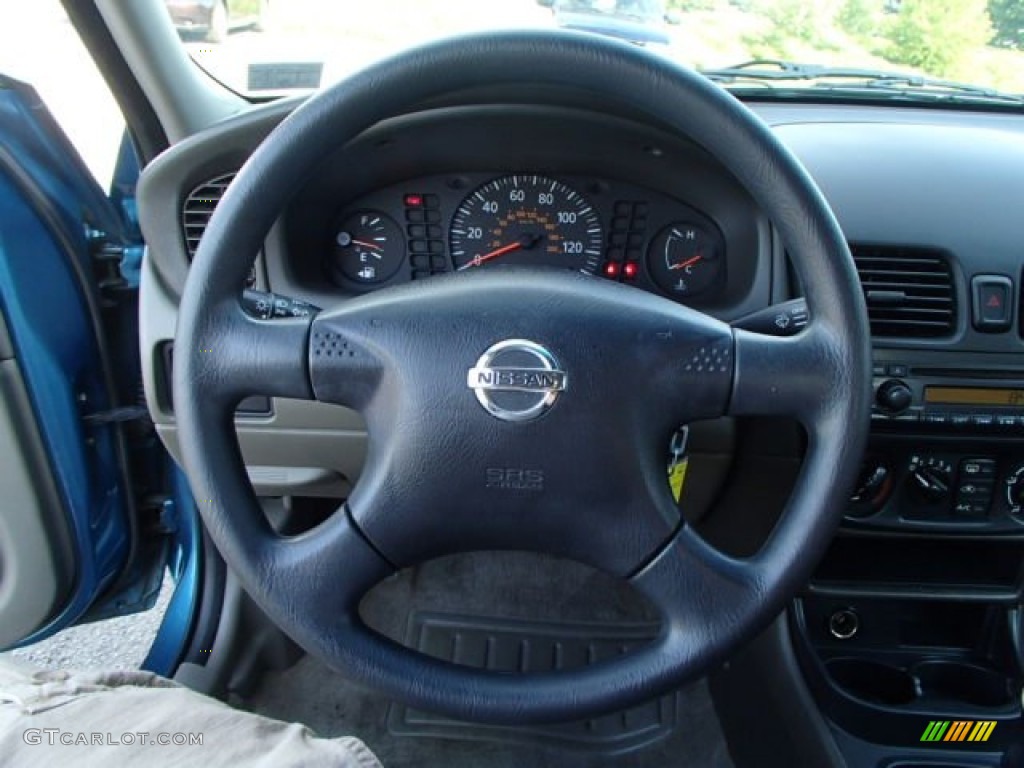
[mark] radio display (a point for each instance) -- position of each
(973, 396)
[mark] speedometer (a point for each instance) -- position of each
(526, 220)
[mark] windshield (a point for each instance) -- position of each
(650, 11)
(877, 49)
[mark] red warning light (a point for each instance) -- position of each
(994, 301)
(630, 270)
(611, 269)
(414, 201)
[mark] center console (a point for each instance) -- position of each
(914, 616)
(946, 486)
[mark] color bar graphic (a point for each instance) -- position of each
(958, 730)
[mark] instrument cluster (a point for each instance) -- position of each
(454, 223)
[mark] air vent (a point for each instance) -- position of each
(196, 212)
(199, 207)
(909, 291)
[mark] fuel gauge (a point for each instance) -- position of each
(368, 248)
(686, 259)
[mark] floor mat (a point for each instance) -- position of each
(549, 616)
(518, 646)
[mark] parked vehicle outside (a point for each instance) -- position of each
(637, 21)
(216, 18)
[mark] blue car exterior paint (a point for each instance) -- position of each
(171, 641)
(57, 354)
(50, 208)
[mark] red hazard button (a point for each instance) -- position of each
(992, 302)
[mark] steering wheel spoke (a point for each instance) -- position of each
(347, 568)
(696, 586)
(238, 355)
(797, 376)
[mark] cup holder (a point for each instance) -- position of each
(949, 682)
(960, 682)
(872, 681)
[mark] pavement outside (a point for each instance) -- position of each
(120, 643)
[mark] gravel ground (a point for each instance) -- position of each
(120, 643)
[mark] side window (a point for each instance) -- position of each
(39, 46)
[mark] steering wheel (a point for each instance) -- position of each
(521, 409)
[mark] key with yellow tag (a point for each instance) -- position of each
(678, 462)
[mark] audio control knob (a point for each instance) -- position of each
(894, 396)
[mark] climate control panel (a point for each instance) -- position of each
(940, 489)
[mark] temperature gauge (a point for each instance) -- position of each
(368, 248)
(686, 259)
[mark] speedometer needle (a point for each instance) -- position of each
(526, 241)
(689, 262)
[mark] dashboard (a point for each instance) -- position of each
(915, 608)
(569, 183)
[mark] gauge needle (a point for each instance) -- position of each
(690, 261)
(526, 241)
(364, 244)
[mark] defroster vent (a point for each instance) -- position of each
(909, 291)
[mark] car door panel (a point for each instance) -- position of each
(67, 514)
(55, 361)
(36, 554)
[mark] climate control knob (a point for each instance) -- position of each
(930, 479)
(1015, 490)
(930, 483)
(894, 396)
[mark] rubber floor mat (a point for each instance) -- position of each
(552, 612)
(503, 645)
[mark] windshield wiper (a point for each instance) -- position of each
(771, 73)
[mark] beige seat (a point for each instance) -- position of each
(129, 717)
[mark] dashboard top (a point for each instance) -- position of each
(901, 178)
